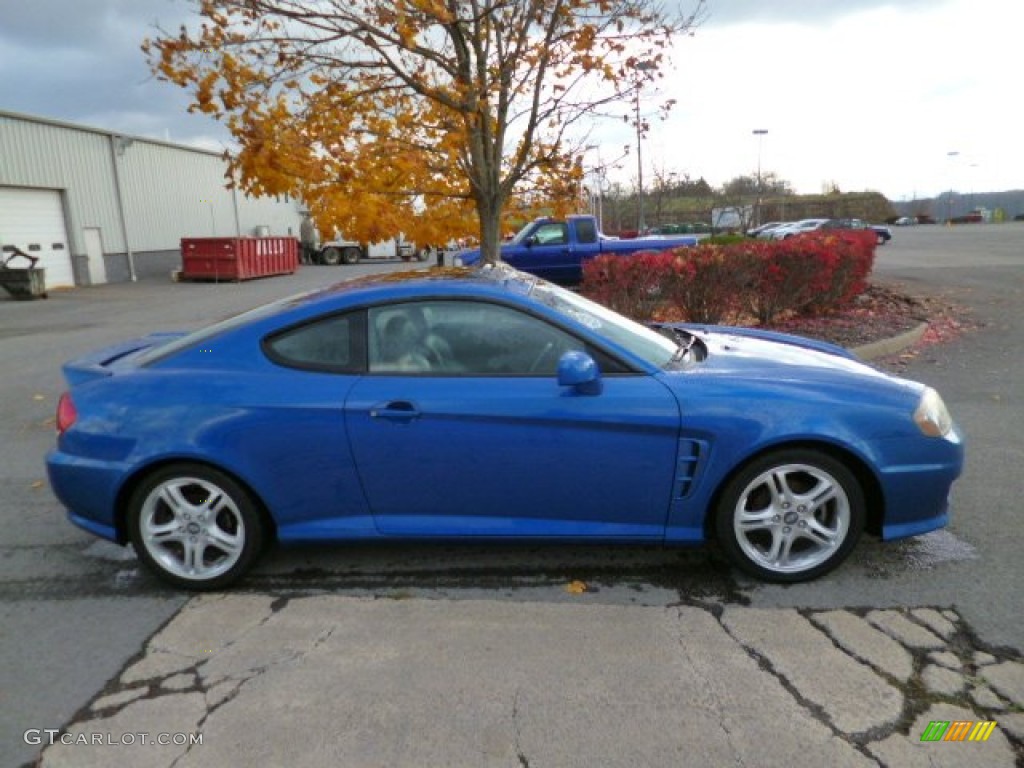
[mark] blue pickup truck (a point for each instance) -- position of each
(556, 250)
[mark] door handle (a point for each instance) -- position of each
(401, 411)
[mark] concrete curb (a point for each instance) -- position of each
(891, 345)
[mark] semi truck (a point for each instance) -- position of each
(342, 251)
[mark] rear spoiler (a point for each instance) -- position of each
(101, 363)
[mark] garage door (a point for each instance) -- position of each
(33, 220)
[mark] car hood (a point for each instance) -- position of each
(766, 355)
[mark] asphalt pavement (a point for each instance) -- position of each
(425, 655)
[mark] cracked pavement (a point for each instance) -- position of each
(334, 680)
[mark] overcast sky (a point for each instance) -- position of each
(867, 94)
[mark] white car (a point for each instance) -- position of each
(796, 228)
(762, 231)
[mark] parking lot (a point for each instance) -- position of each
(465, 655)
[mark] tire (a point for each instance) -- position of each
(195, 527)
(422, 255)
(331, 257)
(350, 256)
(791, 515)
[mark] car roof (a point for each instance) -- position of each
(497, 282)
(422, 282)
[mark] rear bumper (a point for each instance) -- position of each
(88, 489)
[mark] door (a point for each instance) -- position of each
(32, 220)
(94, 255)
(549, 255)
(461, 429)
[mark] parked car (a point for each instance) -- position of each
(557, 250)
(763, 228)
(766, 234)
(489, 405)
(795, 228)
(974, 217)
(882, 233)
(905, 221)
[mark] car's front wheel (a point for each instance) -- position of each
(790, 516)
(194, 526)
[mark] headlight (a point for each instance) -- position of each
(931, 416)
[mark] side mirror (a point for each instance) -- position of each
(530, 241)
(578, 370)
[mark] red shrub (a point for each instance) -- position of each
(705, 284)
(813, 273)
(854, 255)
(627, 284)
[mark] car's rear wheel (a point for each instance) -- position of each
(791, 515)
(194, 526)
(350, 256)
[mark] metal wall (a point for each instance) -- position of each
(166, 191)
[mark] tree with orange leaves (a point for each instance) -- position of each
(414, 116)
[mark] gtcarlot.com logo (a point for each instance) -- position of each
(47, 737)
(958, 730)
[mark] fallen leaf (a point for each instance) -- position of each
(37, 484)
(575, 587)
(38, 397)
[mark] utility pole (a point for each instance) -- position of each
(641, 66)
(760, 133)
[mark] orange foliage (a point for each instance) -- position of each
(421, 117)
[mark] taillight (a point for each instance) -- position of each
(66, 413)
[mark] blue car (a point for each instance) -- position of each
(489, 404)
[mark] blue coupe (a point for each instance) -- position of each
(489, 404)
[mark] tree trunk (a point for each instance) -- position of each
(489, 212)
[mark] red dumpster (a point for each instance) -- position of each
(237, 258)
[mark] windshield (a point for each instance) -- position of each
(645, 343)
(521, 235)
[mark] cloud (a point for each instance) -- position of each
(801, 12)
(866, 93)
(82, 62)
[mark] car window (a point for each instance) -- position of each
(330, 344)
(586, 231)
(465, 338)
(553, 233)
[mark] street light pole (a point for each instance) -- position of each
(641, 66)
(949, 202)
(760, 133)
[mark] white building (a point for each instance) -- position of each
(97, 206)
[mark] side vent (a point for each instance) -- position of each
(691, 455)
